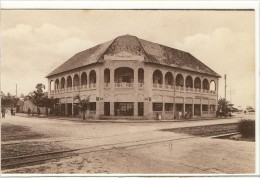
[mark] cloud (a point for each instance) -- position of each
(227, 52)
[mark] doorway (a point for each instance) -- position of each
(107, 108)
(140, 109)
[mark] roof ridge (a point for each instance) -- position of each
(106, 49)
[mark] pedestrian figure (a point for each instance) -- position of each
(29, 111)
(3, 112)
(33, 112)
(12, 111)
(180, 115)
(38, 111)
(118, 112)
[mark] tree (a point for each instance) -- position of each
(9, 100)
(36, 96)
(223, 107)
(83, 104)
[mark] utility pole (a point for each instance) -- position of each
(225, 77)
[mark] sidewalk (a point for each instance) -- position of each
(118, 120)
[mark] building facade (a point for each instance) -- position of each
(131, 77)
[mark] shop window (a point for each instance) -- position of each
(205, 107)
(157, 106)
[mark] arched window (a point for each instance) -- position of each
(57, 84)
(189, 82)
(69, 81)
(140, 75)
(52, 85)
(84, 79)
(92, 77)
(76, 80)
(124, 74)
(169, 79)
(179, 80)
(106, 76)
(197, 83)
(62, 83)
(205, 84)
(212, 85)
(157, 77)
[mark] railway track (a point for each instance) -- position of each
(28, 160)
(36, 159)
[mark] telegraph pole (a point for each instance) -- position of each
(225, 77)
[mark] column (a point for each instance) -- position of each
(135, 108)
(112, 108)
(192, 107)
(136, 78)
(72, 107)
(200, 107)
(184, 110)
(66, 107)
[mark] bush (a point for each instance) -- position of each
(246, 127)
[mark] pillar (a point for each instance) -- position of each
(184, 110)
(66, 107)
(112, 109)
(135, 108)
(192, 107)
(72, 107)
(200, 107)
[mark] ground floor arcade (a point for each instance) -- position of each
(150, 110)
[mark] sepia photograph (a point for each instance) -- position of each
(129, 91)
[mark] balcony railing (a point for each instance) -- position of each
(205, 91)
(188, 89)
(75, 88)
(92, 85)
(124, 85)
(140, 85)
(84, 87)
(198, 90)
(106, 85)
(212, 92)
(69, 89)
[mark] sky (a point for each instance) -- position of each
(35, 42)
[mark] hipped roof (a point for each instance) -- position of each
(151, 52)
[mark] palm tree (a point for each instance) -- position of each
(36, 96)
(83, 104)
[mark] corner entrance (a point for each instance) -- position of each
(140, 109)
(124, 109)
(107, 108)
(197, 110)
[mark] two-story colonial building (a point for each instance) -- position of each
(131, 77)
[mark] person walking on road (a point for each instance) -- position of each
(3, 112)
(12, 111)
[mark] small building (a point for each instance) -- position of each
(24, 104)
(131, 77)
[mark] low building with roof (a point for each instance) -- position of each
(135, 78)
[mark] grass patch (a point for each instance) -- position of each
(246, 127)
(207, 130)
